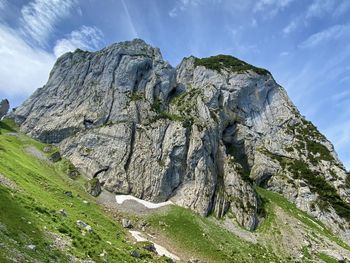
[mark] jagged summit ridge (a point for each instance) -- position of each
(201, 135)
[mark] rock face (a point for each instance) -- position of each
(93, 187)
(202, 134)
(4, 108)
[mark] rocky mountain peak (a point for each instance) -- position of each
(203, 134)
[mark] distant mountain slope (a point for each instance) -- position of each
(203, 134)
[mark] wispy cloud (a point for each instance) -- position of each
(182, 5)
(87, 38)
(3, 4)
(22, 68)
(331, 33)
(342, 8)
(272, 6)
(320, 7)
(291, 26)
(284, 53)
(130, 21)
(39, 18)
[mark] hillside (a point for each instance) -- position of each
(216, 137)
(36, 211)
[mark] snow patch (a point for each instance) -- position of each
(122, 198)
(161, 251)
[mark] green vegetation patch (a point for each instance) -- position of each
(307, 133)
(326, 258)
(229, 63)
(317, 183)
(291, 209)
(204, 239)
(30, 214)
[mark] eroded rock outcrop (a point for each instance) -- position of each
(202, 134)
(4, 108)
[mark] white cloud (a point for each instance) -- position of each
(284, 53)
(290, 27)
(39, 18)
(254, 23)
(87, 38)
(331, 33)
(182, 5)
(342, 8)
(3, 4)
(22, 68)
(320, 7)
(273, 6)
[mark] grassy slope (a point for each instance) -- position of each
(42, 194)
(29, 214)
(273, 198)
(205, 239)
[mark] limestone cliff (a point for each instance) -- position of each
(202, 134)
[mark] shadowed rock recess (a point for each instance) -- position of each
(201, 134)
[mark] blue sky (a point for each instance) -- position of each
(305, 44)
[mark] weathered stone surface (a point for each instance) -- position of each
(4, 108)
(55, 157)
(126, 223)
(84, 226)
(201, 137)
(93, 187)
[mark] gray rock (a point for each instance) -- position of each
(136, 254)
(126, 223)
(48, 149)
(32, 247)
(63, 212)
(55, 157)
(69, 194)
(84, 226)
(93, 187)
(4, 108)
(198, 136)
(150, 247)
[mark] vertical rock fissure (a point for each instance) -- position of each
(113, 89)
(131, 150)
(162, 140)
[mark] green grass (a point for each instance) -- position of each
(303, 217)
(230, 63)
(42, 194)
(327, 258)
(202, 238)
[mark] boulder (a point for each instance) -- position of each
(84, 226)
(135, 254)
(55, 157)
(69, 194)
(32, 247)
(126, 223)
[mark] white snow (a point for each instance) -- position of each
(122, 198)
(161, 251)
